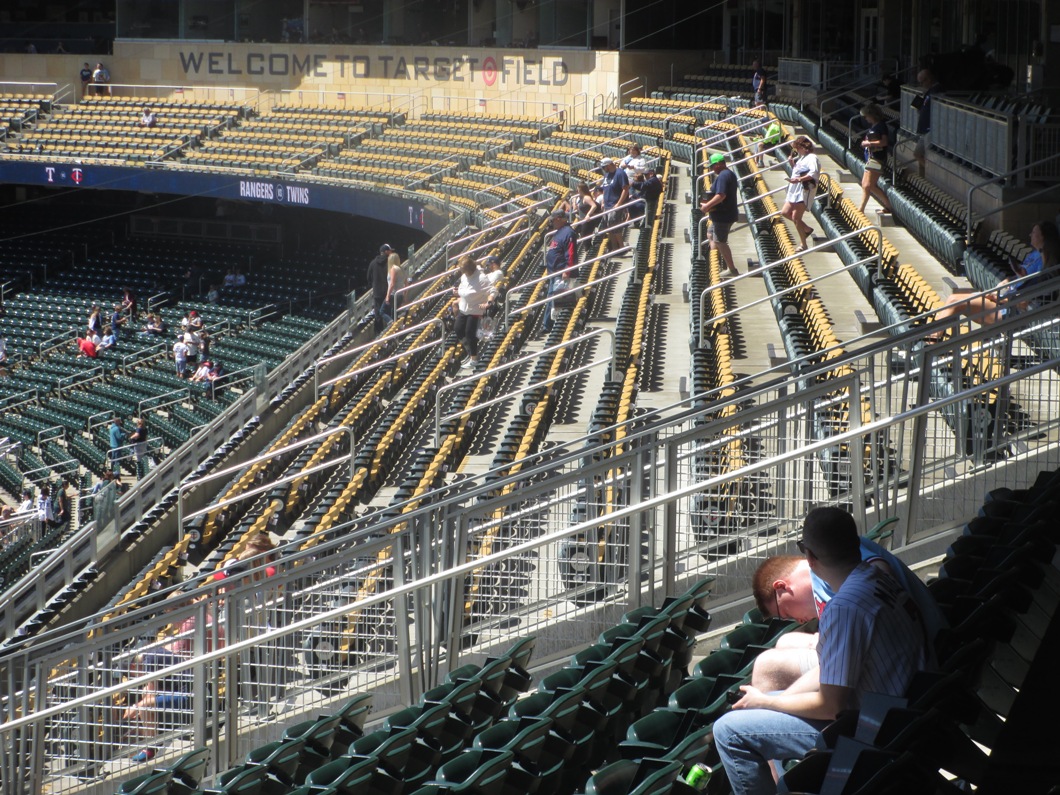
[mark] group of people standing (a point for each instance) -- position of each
(386, 277)
(102, 336)
(97, 79)
(123, 445)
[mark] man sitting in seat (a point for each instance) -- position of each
(872, 640)
(785, 587)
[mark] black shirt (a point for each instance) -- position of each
(377, 277)
(727, 212)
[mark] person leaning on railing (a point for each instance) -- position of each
(992, 307)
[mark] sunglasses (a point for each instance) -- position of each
(805, 550)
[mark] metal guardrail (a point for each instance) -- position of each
(191, 483)
(512, 393)
(972, 218)
(309, 636)
(508, 312)
(830, 243)
(92, 542)
(347, 375)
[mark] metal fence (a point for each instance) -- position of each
(93, 540)
(983, 138)
(547, 547)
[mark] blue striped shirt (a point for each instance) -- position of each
(871, 635)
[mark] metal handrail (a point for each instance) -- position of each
(855, 117)
(164, 399)
(752, 221)
(614, 227)
(79, 378)
(878, 257)
(729, 120)
(508, 366)
(455, 573)
(838, 93)
(142, 354)
(486, 246)
(433, 322)
(609, 142)
(501, 220)
(62, 468)
(802, 92)
(686, 111)
(780, 294)
(1006, 175)
(453, 271)
(310, 152)
(576, 289)
(19, 399)
(105, 416)
(55, 342)
(487, 192)
(60, 435)
(548, 277)
(192, 482)
(229, 379)
(755, 156)
(622, 94)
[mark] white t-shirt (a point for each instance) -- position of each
(180, 351)
(804, 191)
(633, 165)
(473, 291)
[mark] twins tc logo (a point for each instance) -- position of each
(77, 175)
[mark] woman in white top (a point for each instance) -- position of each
(474, 293)
(805, 171)
(395, 280)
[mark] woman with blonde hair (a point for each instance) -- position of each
(875, 146)
(395, 281)
(805, 171)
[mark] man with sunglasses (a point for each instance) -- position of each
(872, 640)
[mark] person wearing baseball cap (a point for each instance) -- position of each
(720, 205)
(615, 186)
(559, 256)
(377, 280)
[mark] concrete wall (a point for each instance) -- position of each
(661, 68)
(482, 80)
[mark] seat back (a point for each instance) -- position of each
(153, 783)
(246, 781)
(189, 768)
(280, 758)
(354, 712)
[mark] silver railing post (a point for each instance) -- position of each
(438, 418)
(189, 484)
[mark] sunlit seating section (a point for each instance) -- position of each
(111, 128)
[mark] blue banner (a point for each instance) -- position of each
(272, 189)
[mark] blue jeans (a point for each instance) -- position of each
(554, 286)
(747, 739)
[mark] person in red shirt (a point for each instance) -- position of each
(88, 347)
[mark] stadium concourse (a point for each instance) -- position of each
(445, 539)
